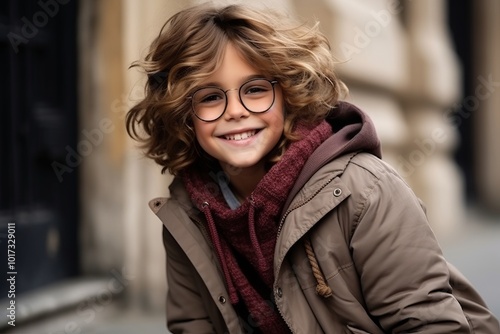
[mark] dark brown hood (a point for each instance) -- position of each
(353, 131)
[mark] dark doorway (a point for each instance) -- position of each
(38, 120)
(460, 23)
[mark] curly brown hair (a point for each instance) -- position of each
(190, 47)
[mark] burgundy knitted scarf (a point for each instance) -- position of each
(244, 238)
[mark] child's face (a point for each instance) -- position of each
(239, 138)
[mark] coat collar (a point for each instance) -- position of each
(353, 131)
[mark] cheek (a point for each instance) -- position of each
(278, 123)
(277, 119)
(202, 133)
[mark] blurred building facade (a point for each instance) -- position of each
(399, 62)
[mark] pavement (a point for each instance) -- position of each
(111, 319)
(474, 248)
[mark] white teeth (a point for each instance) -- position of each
(240, 136)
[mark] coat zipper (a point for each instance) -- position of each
(307, 200)
(287, 212)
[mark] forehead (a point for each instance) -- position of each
(232, 69)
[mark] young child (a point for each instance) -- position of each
(282, 217)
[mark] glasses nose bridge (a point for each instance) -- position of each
(238, 98)
(231, 89)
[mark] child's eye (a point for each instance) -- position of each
(211, 98)
(255, 90)
(205, 96)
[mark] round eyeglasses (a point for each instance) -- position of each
(256, 95)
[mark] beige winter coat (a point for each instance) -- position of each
(373, 245)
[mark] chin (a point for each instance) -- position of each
(242, 164)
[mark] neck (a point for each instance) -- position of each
(244, 180)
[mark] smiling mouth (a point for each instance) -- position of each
(240, 136)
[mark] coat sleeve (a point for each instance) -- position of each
(185, 311)
(404, 276)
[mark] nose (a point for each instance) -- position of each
(234, 109)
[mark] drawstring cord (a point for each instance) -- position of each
(253, 235)
(233, 296)
(322, 288)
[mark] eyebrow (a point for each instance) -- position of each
(243, 80)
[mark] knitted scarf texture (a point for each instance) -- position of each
(247, 235)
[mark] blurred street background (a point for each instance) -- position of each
(74, 188)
